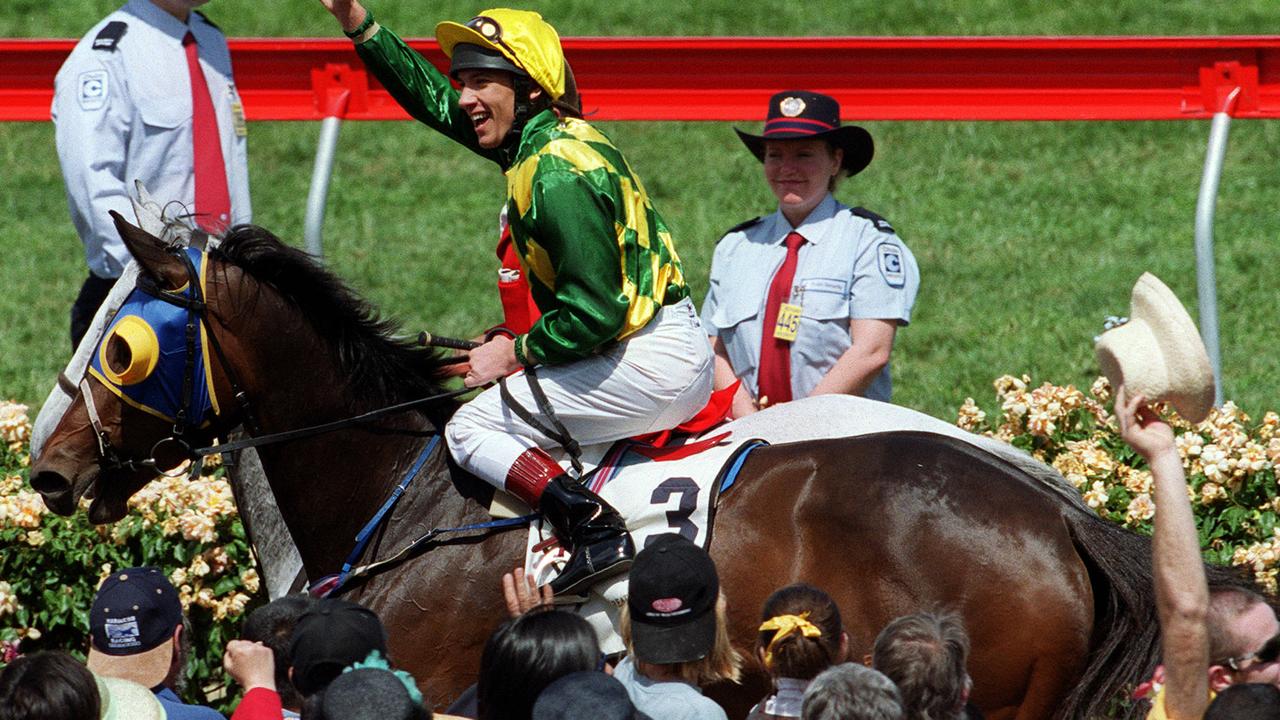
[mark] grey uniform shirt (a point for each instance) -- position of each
(851, 268)
(122, 112)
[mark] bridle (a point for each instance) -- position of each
(169, 452)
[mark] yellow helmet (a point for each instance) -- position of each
(520, 36)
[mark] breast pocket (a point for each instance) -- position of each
(165, 136)
(824, 299)
(737, 317)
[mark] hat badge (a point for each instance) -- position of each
(791, 106)
(667, 605)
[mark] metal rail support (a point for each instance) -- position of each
(313, 227)
(1206, 275)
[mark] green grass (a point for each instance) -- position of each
(1027, 234)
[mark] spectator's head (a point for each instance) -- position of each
(526, 654)
(368, 694)
(586, 694)
(1247, 701)
(925, 655)
(800, 633)
(1244, 639)
(675, 622)
(329, 637)
(47, 686)
(136, 628)
(852, 692)
(272, 625)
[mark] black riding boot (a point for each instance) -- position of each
(601, 545)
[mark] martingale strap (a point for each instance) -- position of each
(362, 537)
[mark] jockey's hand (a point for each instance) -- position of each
(350, 13)
(522, 593)
(492, 360)
(1141, 427)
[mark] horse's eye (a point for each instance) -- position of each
(130, 351)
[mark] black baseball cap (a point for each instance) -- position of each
(328, 638)
(131, 626)
(672, 601)
(586, 694)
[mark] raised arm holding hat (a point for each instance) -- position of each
(808, 300)
(622, 349)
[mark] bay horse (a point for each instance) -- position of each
(1057, 602)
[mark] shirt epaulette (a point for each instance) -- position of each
(741, 226)
(881, 224)
(109, 36)
(207, 21)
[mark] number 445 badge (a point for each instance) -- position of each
(788, 323)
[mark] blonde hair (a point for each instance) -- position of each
(724, 662)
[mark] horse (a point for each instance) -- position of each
(1057, 602)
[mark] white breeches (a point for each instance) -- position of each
(654, 380)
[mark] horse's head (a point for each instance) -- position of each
(145, 382)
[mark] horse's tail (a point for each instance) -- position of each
(1126, 628)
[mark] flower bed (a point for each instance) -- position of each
(1229, 460)
(51, 566)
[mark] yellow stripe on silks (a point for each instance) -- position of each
(539, 263)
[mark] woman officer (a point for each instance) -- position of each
(807, 300)
(622, 349)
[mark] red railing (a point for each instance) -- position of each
(1018, 78)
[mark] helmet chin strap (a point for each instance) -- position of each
(523, 108)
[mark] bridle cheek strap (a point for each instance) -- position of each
(94, 420)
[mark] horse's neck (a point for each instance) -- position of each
(329, 485)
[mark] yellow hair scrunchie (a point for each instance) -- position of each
(784, 625)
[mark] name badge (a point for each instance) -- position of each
(788, 323)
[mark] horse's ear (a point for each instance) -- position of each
(152, 255)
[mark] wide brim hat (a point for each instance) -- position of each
(1157, 353)
(805, 115)
(521, 36)
(672, 600)
(126, 700)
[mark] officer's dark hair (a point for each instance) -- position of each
(526, 654)
(48, 686)
(272, 625)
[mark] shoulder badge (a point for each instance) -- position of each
(109, 36)
(881, 224)
(741, 226)
(207, 21)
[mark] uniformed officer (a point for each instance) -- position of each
(807, 301)
(147, 94)
(617, 344)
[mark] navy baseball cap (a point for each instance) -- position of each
(330, 637)
(131, 626)
(672, 601)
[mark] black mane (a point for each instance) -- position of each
(382, 368)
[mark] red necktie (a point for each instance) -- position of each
(213, 202)
(774, 376)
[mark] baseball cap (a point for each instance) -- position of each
(584, 694)
(328, 638)
(131, 626)
(672, 601)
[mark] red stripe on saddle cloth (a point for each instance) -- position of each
(714, 413)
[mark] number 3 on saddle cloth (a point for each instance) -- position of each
(663, 483)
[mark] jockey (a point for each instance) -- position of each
(618, 346)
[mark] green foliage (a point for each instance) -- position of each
(51, 566)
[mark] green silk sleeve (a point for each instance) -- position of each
(572, 220)
(422, 90)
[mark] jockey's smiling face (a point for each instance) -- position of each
(489, 98)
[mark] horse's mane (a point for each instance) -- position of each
(382, 368)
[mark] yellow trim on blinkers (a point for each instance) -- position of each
(144, 351)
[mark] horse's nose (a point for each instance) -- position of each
(55, 489)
